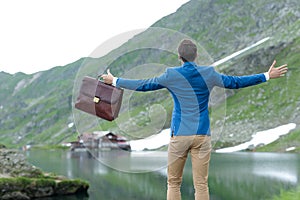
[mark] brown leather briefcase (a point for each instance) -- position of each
(99, 99)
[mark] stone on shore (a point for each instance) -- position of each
(21, 180)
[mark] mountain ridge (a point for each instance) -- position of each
(37, 108)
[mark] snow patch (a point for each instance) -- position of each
(262, 137)
(239, 52)
(290, 149)
(152, 142)
(70, 125)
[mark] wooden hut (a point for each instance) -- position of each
(104, 140)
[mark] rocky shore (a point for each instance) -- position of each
(20, 180)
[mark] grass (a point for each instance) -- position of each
(288, 195)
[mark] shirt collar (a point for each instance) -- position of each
(189, 64)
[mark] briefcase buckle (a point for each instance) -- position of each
(96, 99)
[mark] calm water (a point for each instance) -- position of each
(121, 175)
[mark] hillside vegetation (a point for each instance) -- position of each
(38, 108)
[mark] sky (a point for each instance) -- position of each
(37, 35)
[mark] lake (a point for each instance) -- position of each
(142, 175)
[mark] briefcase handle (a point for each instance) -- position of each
(99, 77)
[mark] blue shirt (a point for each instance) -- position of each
(190, 86)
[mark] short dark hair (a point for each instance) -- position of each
(187, 50)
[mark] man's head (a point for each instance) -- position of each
(187, 51)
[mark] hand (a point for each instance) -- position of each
(107, 78)
(277, 72)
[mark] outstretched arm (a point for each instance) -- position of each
(133, 84)
(235, 82)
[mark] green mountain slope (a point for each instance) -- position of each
(38, 108)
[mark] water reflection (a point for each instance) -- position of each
(279, 167)
(253, 175)
(233, 176)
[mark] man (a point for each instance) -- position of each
(190, 86)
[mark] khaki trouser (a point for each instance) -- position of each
(200, 147)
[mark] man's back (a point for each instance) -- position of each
(190, 95)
